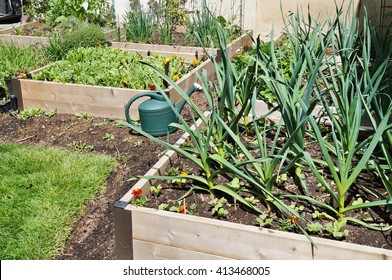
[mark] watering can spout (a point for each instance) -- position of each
(195, 87)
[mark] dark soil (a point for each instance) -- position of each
(93, 235)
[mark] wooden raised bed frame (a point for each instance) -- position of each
(145, 233)
(20, 40)
(106, 102)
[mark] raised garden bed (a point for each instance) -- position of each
(100, 101)
(10, 34)
(145, 233)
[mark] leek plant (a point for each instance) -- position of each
(350, 86)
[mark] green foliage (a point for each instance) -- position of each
(315, 227)
(218, 207)
(140, 201)
(43, 193)
(105, 66)
(139, 25)
(155, 190)
(264, 220)
(81, 146)
(95, 11)
(30, 113)
(16, 60)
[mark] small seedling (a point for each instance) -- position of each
(156, 190)
(218, 207)
(315, 227)
(264, 220)
(108, 136)
(252, 200)
(163, 206)
(141, 201)
(286, 224)
(81, 146)
(51, 113)
(296, 208)
(30, 113)
(336, 229)
(138, 143)
(85, 116)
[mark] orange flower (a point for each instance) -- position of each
(22, 75)
(293, 219)
(151, 86)
(174, 55)
(137, 192)
(195, 61)
(182, 209)
(98, 43)
(182, 62)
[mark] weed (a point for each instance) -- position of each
(138, 143)
(108, 136)
(264, 220)
(51, 113)
(81, 146)
(30, 113)
(85, 116)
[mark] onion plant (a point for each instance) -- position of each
(139, 25)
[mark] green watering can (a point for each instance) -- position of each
(155, 113)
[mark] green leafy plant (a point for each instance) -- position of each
(17, 61)
(51, 113)
(108, 136)
(155, 190)
(91, 66)
(30, 113)
(138, 143)
(81, 146)
(85, 116)
(264, 220)
(315, 227)
(218, 207)
(94, 11)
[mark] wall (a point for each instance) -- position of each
(263, 15)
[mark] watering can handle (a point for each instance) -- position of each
(133, 99)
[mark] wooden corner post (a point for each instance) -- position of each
(123, 231)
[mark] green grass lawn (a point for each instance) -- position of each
(42, 193)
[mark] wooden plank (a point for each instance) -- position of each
(160, 48)
(339, 250)
(12, 28)
(73, 99)
(23, 40)
(215, 237)
(186, 82)
(152, 251)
